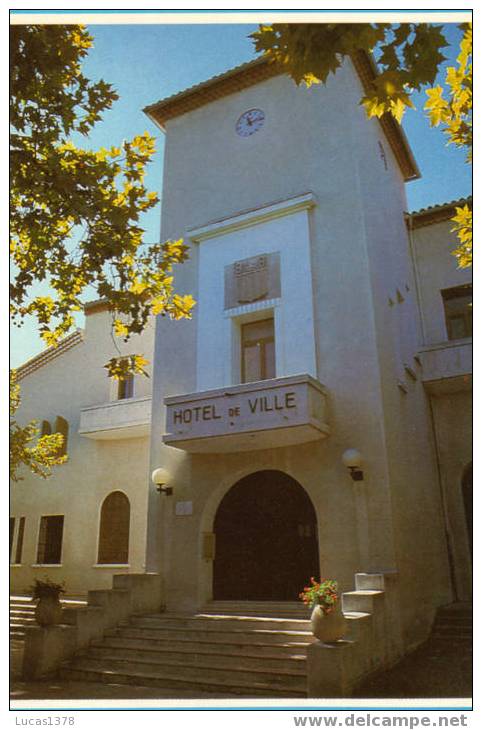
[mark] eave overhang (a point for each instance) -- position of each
(436, 213)
(260, 69)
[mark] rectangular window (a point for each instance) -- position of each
(257, 351)
(12, 531)
(21, 531)
(50, 540)
(458, 311)
(126, 388)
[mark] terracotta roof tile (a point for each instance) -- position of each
(436, 213)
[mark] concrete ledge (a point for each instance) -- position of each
(373, 639)
(329, 669)
(47, 648)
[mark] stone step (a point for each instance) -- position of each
(452, 629)
(369, 581)
(455, 622)
(28, 602)
(219, 622)
(22, 615)
(136, 637)
(458, 607)
(25, 616)
(210, 673)
(447, 614)
(20, 610)
(451, 636)
(359, 624)
(254, 636)
(236, 659)
(214, 631)
(256, 604)
(267, 609)
(451, 639)
(17, 633)
(19, 625)
(366, 601)
(196, 687)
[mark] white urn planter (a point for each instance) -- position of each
(328, 627)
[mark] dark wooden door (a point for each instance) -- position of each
(266, 540)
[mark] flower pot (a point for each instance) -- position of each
(328, 627)
(48, 611)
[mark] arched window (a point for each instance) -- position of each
(45, 429)
(114, 530)
(61, 426)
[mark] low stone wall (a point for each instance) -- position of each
(47, 647)
(373, 639)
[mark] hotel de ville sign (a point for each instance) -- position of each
(264, 414)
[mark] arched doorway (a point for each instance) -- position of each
(266, 539)
(467, 495)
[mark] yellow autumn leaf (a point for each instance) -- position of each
(120, 329)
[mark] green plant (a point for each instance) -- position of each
(47, 589)
(323, 593)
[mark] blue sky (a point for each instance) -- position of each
(145, 63)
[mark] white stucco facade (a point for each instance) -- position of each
(317, 194)
(107, 449)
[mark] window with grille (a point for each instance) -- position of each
(19, 548)
(61, 426)
(114, 530)
(458, 311)
(50, 540)
(126, 388)
(12, 532)
(257, 351)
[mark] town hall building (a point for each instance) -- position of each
(313, 418)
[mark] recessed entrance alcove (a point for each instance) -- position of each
(266, 539)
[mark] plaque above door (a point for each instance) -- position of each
(252, 280)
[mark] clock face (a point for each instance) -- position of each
(249, 122)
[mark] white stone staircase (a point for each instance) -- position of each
(225, 655)
(453, 626)
(230, 649)
(22, 614)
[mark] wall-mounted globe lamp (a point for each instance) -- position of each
(161, 477)
(353, 461)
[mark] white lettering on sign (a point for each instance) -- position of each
(183, 508)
